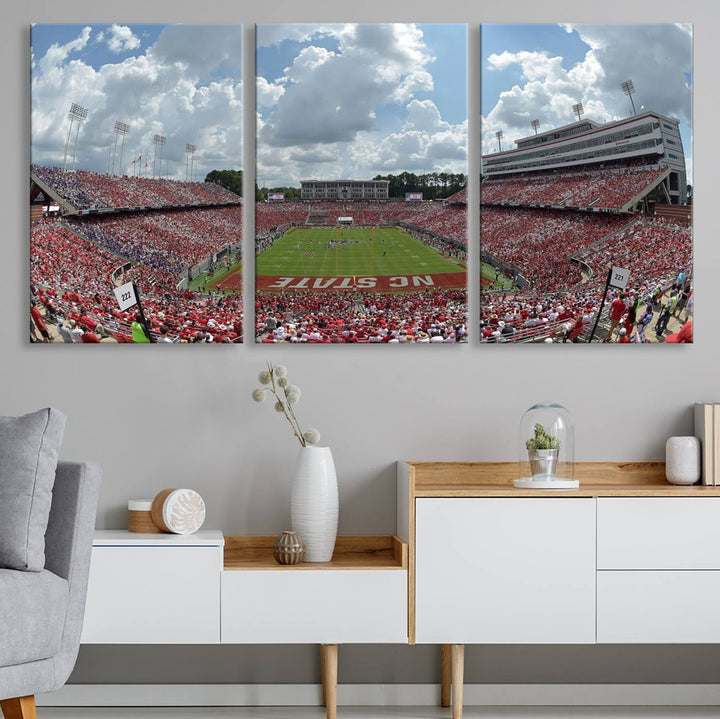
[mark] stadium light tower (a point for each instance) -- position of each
(121, 130)
(79, 114)
(535, 124)
(189, 160)
(579, 110)
(499, 137)
(629, 89)
(158, 140)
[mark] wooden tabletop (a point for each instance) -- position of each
(597, 479)
(351, 552)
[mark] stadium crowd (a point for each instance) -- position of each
(368, 317)
(603, 188)
(86, 190)
(540, 242)
(72, 278)
(169, 240)
(449, 220)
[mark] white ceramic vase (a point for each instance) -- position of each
(682, 460)
(314, 502)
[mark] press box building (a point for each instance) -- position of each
(344, 189)
(649, 135)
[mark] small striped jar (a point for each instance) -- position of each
(140, 517)
(288, 548)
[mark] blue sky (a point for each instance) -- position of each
(180, 81)
(351, 101)
(540, 71)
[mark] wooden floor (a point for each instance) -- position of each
(385, 713)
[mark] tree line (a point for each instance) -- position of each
(229, 179)
(433, 185)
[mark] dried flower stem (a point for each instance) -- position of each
(286, 407)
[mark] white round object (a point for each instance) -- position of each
(183, 511)
(530, 483)
(314, 503)
(140, 505)
(682, 460)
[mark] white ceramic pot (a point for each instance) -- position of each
(314, 503)
(682, 460)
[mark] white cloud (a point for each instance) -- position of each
(196, 100)
(268, 34)
(266, 93)
(338, 97)
(120, 38)
(655, 56)
(57, 54)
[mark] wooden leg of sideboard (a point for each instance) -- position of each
(322, 673)
(446, 675)
(19, 708)
(458, 670)
(329, 663)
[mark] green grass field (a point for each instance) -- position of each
(305, 252)
(489, 281)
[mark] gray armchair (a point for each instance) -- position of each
(41, 613)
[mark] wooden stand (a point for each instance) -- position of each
(451, 683)
(387, 554)
(19, 708)
(329, 663)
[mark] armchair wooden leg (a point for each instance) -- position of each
(458, 670)
(446, 675)
(329, 662)
(19, 708)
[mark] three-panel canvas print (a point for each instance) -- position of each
(360, 199)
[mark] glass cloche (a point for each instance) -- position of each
(547, 448)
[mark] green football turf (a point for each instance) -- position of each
(503, 282)
(202, 280)
(304, 252)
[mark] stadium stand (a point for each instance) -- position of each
(602, 188)
(368, 317)
(76, 261)
(94, 191)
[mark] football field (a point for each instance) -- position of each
(351, 251)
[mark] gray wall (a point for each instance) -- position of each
(187, 419)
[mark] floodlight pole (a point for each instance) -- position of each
(628, 87)
(79, 113)
(499, 136)
(158, 140)
(77, 135)
(122, 149)
(67, 143)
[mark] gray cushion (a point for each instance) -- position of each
(32, 615)
(29, 447)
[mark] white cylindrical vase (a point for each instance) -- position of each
(682, 460)
(314, 502)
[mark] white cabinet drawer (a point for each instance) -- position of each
(153, 595)
(664, 607)
(495, 571)
(306, 606)
(658, 532)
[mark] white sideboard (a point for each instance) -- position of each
(626, 558)
(505, 571)
(205, 588)
(154, 588)
(658, 563)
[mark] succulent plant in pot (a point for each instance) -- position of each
(543, 450)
